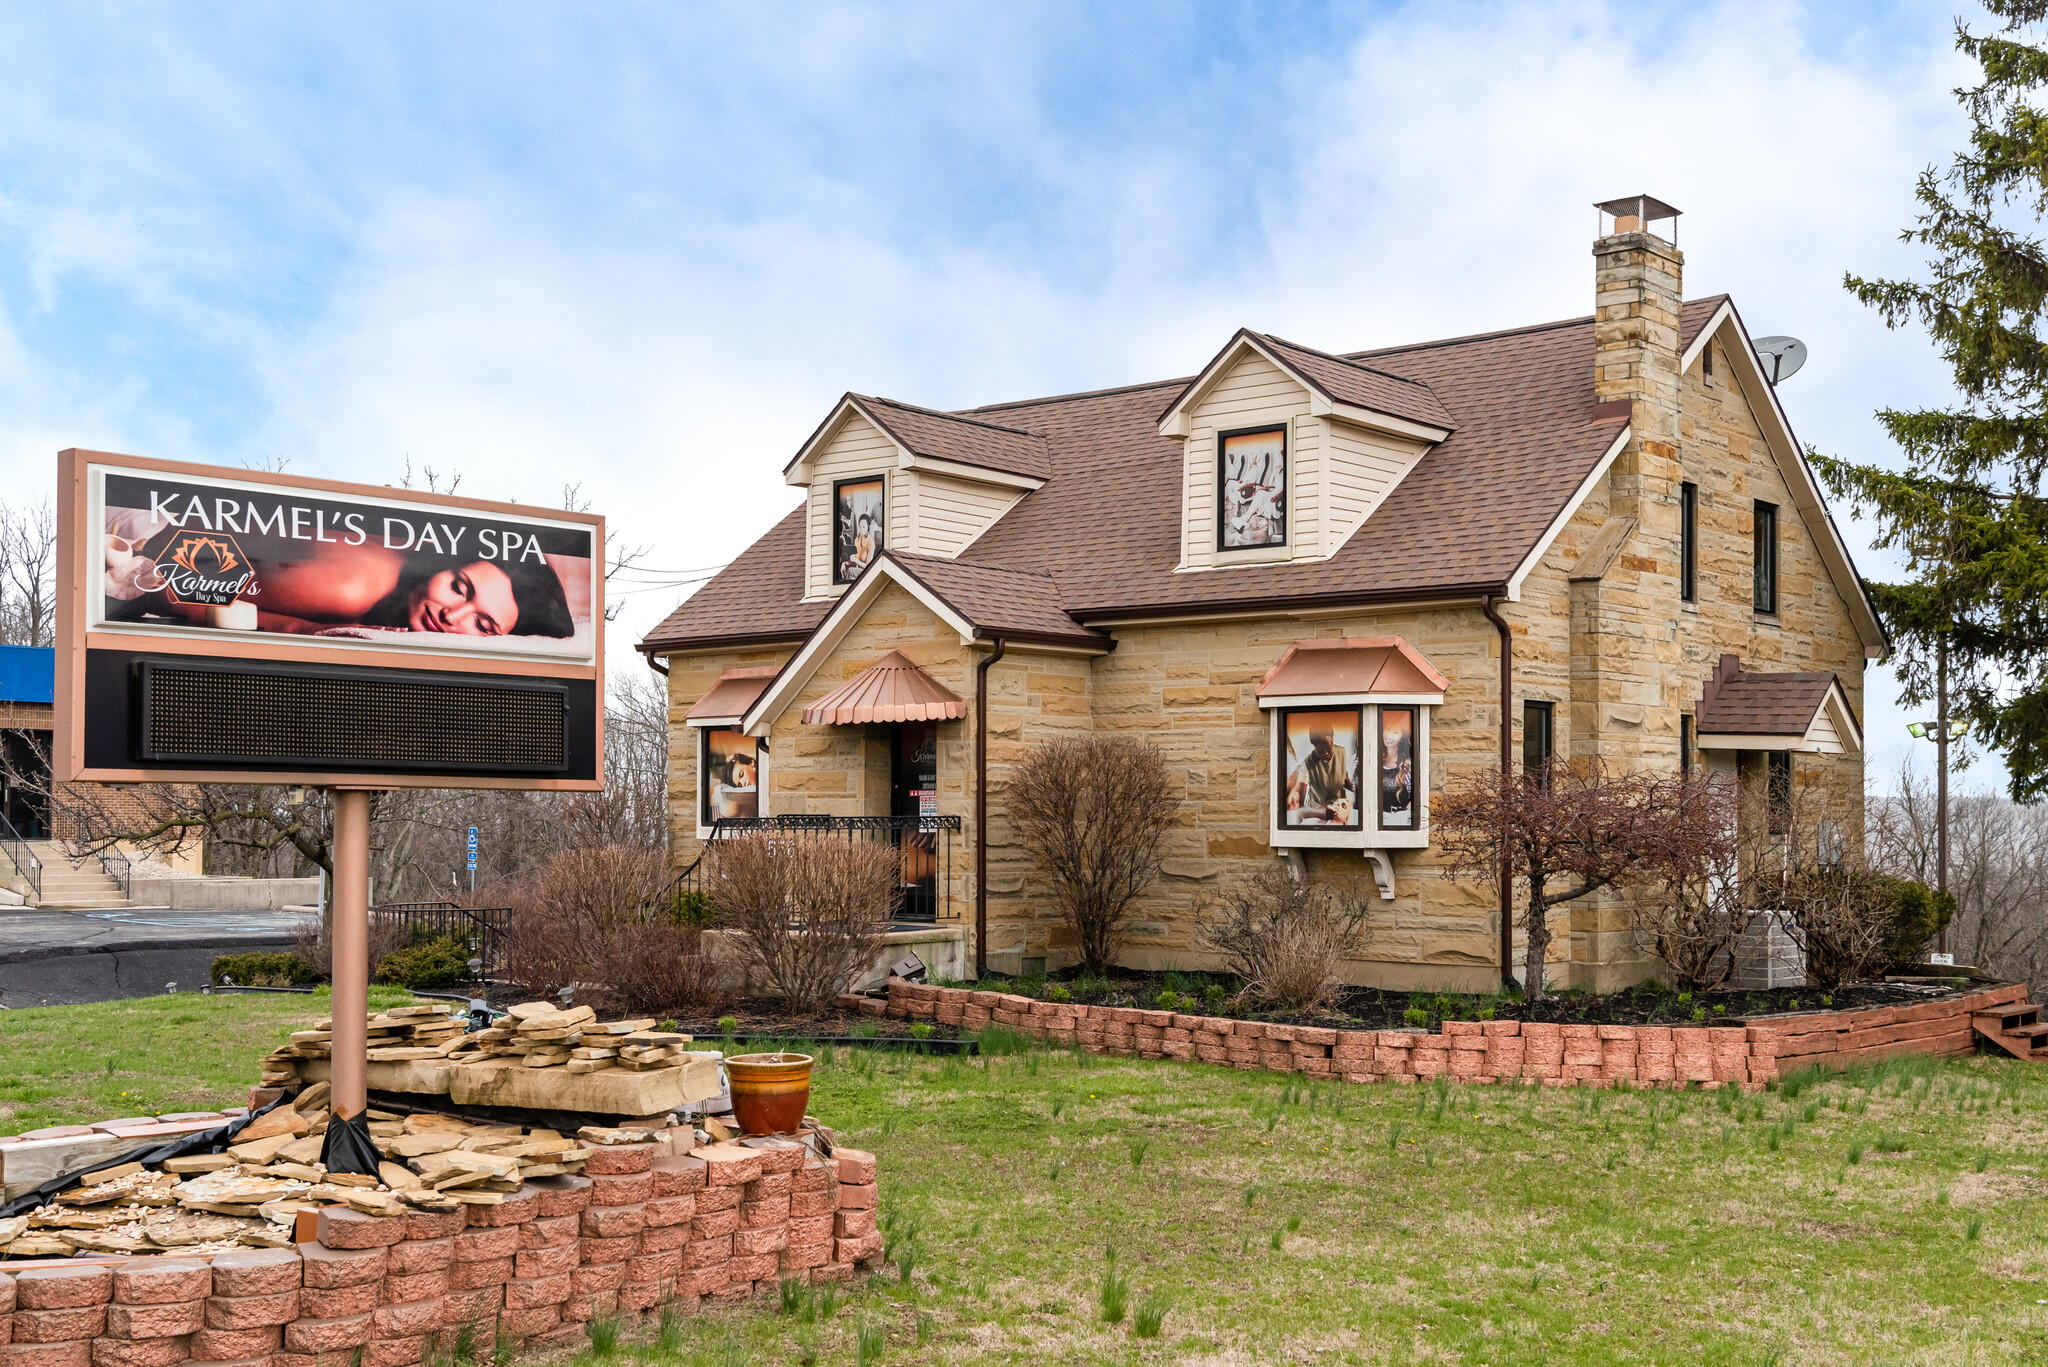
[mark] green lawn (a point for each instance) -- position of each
(71, 1065)
(1891, 1216)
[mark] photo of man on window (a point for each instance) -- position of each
(1320, 750)
(1397, 767)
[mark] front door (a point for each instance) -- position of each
(914, 793)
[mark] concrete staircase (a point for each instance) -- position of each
(2017, 1029)
(79, 886)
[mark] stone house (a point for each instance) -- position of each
(1588, 538)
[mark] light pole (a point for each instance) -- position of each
(1941, 731)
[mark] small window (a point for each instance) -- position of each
(728, 776)
(1707, 360)
(859, 515)
(1764, 552)
(1397, 768)
(1688, 539)
(1778, 790)
(1538, 740)
(1320, 767)
(1251, 489)
(1685, 744)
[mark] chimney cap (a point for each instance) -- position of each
(1644, 209)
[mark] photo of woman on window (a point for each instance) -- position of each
(1397, 767)
(1320, 754)
(1253, 490)
(732, 776)
(857, 518)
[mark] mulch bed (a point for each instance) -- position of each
(1372, 1009)
(764, 1017)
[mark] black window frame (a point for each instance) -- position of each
(1286, 489)
(1778, 790)
(1415, 774)
(1534, 711)
(1707, 361)
(1688, 542)
(832, 525)
(1763, 544)
(1685, 744)
(1357, 822)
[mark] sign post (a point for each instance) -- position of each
(351, 1002)
(472, 859)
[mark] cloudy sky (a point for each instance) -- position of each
(641, 248)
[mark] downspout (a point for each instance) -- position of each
(981, 807)
(656, 663)
(1507, 760)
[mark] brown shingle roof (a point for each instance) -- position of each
(1105, 529)
(1765, 704)
(1349, 382)
(1001, 601)
(967, 441)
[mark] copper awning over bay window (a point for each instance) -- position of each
(890, 689)
(1352, 667)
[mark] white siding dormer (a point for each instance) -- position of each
(927, 510)
(1338, 470)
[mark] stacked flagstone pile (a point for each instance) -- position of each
(1552, 1055)
(637, 1229)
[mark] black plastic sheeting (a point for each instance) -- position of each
(348, 1146)
(215, 1140)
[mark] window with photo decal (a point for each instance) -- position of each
(857, 527)
(1397, 768)
(1252, 480)
(729, 780)
(1319, 767)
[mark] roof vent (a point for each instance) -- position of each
(1635, 214)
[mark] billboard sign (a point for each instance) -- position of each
(236, 625)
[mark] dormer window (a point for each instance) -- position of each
(1251, 469)
(859, 525)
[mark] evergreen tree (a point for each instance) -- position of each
(1968, 512)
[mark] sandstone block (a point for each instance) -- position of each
(760, 1214)
(853, 1224)
(60, 1326)
(477, 1307)
(562, 1194)
(343, 1228)
(708, 1253)
(525, 1294)
(326, 1268)
(256, 1271)
(435, 1224)
(516, 1209)
(407, 1319)
(749, 1242)
(63, 1288)
(480, 1245)
(654, 1267)
(233, 1345)
(718, 1224)
(419, 1255)
(252, 1312)
(395, 1352)
(533, 1319)
(603, 1280)
(670, 1210)
(554, 1260)
(340, 1302)
(478, 1275)
(74, 1353)
(857, 1196)
(326, 1336)
(163, 1352)
(415, 1286)
(599, 1251)
(767, 1187)
(716, 1198)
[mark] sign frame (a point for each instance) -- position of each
(76, 635)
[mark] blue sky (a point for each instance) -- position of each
(641, 248)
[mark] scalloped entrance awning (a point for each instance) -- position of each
(890, 689)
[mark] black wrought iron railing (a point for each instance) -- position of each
(925, 878)
(489, 927)
(118, 868)
(23, 858)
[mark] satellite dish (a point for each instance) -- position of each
(1782, 357)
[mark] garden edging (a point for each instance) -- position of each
(1552, 1055)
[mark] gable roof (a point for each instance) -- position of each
(1793, 711)
(1100, 541)
(950, 437)
(1341, 383)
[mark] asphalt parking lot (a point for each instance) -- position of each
(53, 957)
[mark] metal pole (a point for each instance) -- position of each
(351, 1002)
(1941, 773)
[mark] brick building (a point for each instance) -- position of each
(1295, 572)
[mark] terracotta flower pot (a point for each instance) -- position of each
(769, 1091)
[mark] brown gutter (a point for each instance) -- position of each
(1507, 760)
(981, 807)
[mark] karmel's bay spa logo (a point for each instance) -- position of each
(207, 570)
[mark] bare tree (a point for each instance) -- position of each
(1692, 913)
(1286, 936)
(28, 575)
(807, 909)
(1569, 831)
(1094, 810)
(1998, 871)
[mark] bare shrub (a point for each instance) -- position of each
(1093, 811)
(807, 909)
(594, 918)
(1286, 937)
(1565, 831)
(1692, 912)
(386, 937)
(1841, 916)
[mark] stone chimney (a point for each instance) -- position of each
(1638, 280)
